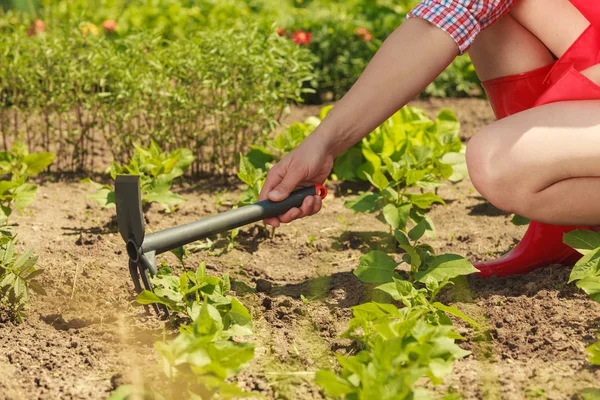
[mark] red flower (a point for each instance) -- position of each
(110, 25)
(36, 27)
(280, 31)
(364, 33)
(301, 37)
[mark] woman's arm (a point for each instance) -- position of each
(410, 58)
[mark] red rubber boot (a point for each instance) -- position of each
(542, 244)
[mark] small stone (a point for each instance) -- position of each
(299, 311)
(267, 303)
(263, 286)
(117, 380)
(285, 303)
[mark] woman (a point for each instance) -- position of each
(538, 61)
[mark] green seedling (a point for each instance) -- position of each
(408, 152)
(17, 278)
(187, 294)
(594, 352)
(18, 165)
(157, 170)
(402, 346)
(201, 360)
(586, 272)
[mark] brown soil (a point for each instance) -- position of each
(85, 337)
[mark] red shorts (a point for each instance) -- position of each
(559, 81)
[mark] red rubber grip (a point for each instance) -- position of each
(321, 191)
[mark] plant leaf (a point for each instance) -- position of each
(456, 312)
(425, 200)
(591, 285)
(368, 202)
(587, 266)
(376, 267)
(334, 386)
(584, 241)
(446, 266)
(418, 230)
(37, 162)
(391, 215)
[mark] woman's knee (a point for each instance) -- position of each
(491, 173)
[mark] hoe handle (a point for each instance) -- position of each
(172, 238)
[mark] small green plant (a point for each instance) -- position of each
(18, 165)
(17, 278)
(537, 393)
(403, 158)
(408, 143)
(199, 361)
(196, 364)
(157, 170)
(400, 346)
(187, 294)
(586, 272)
(594, 352)
(519, 220)
(253, 177)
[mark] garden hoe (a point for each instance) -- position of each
(142, 249)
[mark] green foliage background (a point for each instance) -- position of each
(340, 54)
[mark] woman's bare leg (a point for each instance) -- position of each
(557, 23)
(507, 48)
(541, 163)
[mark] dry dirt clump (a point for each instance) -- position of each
(85, 337)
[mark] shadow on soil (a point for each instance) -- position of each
(364, 241)
(339, 290)
(551, 278)
(109, 227)
(486, 208)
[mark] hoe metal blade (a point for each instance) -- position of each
(128, 199)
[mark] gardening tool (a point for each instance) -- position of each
(142, 249)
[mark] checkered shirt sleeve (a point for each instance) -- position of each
(462, 19)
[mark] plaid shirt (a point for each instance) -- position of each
(462, 19)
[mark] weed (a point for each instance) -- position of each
(17, 278)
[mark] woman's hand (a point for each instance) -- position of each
(409, 59)
(308, 164)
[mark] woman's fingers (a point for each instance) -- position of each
(310, 206)
(291, 215)
(274, 177)
(316, 206)
(274, 222)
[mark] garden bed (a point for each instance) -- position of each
(84, 338)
